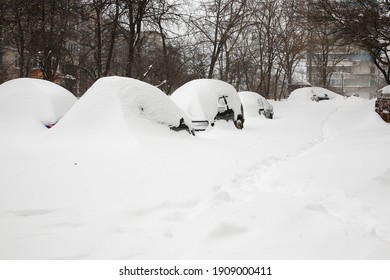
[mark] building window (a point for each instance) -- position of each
(72, 47)
(32, 63)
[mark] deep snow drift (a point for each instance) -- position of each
(312, 183)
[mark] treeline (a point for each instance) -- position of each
(253, 44)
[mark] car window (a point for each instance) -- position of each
(222, 101)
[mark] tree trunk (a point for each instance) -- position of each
(112, 39)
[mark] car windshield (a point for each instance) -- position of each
(222, 100)
(222, 103)
(264, 104)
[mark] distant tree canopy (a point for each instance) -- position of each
(363, 23)
(254, 45)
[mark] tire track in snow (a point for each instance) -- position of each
(264, 176)
(260, 177)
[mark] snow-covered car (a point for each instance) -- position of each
(382, 103)
(312, 94)
(116, 105)
(30, 106)
(255, 104)
(208, 100)
(266, 108)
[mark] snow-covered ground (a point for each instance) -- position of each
(312, 183)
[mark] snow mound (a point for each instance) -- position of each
(114, 106)
(306, 94)
(28, 105)
(199, 98)
(249, 100)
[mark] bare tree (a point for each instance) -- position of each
(293, 39)
(327, 53)
(3, 12)
(165, 18)
(135, 13)
(326, 48)
(21, 21)
(219, 21)
(265, 44)
(364, 23)
(38, 30)
(49, 40)
(100, 33)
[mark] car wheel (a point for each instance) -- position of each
(239, 124)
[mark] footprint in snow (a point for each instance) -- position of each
(316, 208)
(222, 197)
(225, 230)
(31, 212)
(175, 216)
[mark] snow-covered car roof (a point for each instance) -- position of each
(115, 104)
(28, 105)
(199, 98)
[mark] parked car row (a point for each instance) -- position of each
(195, 106)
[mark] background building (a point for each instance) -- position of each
(354, 74)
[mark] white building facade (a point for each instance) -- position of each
(357, 74)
